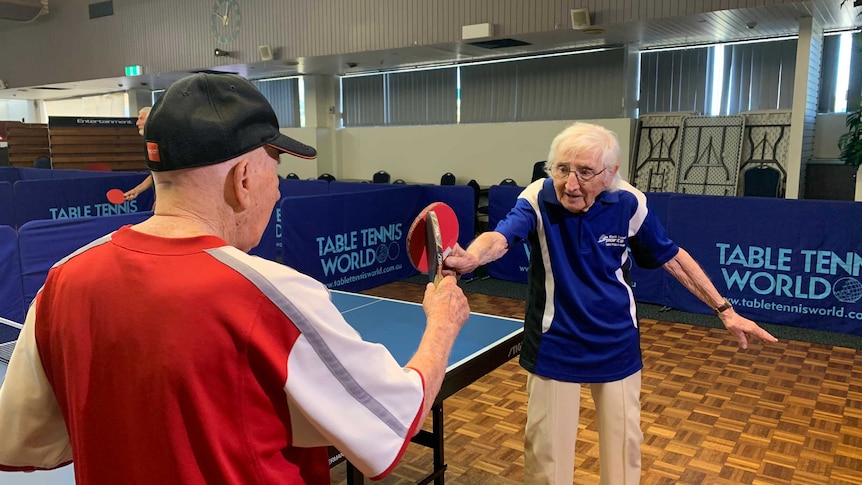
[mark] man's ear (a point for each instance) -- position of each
(238, 180)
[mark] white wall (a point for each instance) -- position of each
(488, 153)
(15, 110)
(111, 105)
(827, 128)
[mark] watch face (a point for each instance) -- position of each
(226, 20)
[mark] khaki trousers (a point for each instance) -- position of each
(552, 429)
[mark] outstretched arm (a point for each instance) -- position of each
(135, 192)
(686, 270)
(489, 246)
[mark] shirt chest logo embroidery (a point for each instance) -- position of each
(612, 240)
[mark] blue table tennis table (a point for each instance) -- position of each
(484, 343)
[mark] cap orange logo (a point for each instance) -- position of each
(153, 151)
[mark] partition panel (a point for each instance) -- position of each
(791, 262)
(7, 209)
(42, 243)
(515, 264)
(11, 290)
(9, 174)
(76, 198)
(357, 240)
(269, 246)
(350, 241)
(648, 285)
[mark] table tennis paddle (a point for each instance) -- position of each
(115, 196)
(431, 237)
(433, 247)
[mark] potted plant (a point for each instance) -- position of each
(850, 143)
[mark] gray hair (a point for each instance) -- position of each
(581, 137)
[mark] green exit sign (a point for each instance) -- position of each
(134, 70)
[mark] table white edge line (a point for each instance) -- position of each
(483, 349)
(419, 304)
(11, 323)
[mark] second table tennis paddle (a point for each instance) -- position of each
(115, 196)
(431, 237)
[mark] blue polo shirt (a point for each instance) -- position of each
(580, 323)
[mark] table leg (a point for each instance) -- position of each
(437, 426)
(434, 439)
(354, 477)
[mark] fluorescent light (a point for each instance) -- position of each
(717, 79)
(712, 44)
(842, 81)
(301, 82)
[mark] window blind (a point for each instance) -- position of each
(283, 95)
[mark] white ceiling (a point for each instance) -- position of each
(706, 28)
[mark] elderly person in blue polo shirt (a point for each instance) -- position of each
(580, 323)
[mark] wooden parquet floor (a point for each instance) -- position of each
(784, 413)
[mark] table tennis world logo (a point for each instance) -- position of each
(359, 249)
(802, 274)
(93, 210)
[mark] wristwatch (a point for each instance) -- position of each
(724, 306)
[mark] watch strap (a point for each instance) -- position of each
(723, 307)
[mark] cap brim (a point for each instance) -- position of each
(286, 144)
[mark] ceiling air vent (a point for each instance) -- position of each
(210, 71)
(499, 43)
(101, 9)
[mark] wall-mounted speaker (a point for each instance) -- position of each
(580, 18)
(477, 31)
(265, 52)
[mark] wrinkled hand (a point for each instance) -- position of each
(743, 328)
(445, 304)
(459, 261)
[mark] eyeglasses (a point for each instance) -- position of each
(582, 174)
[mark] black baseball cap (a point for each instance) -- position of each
(206, 119)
